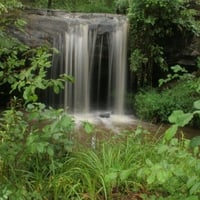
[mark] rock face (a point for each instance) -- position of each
(43, 25)
(183, 52)
(188, 55)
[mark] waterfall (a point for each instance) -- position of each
(93, 49)
(95, 55)
(77, 95)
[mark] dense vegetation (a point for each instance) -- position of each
(155, 27)
(40, 155)
(154, 24)
(78, 5)
(156, 104)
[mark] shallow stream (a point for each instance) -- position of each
(115, 124)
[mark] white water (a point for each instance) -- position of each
(112, 122)
(77, 65)
(97, 61)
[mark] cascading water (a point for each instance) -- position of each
(92, 48)
(96, 57)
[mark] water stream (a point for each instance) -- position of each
(93, 51)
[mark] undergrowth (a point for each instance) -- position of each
(156, 105)
(38, 162)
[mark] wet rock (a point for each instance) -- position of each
(43, 26)
(105, 115)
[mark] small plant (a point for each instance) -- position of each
(178, 73)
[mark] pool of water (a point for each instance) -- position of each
(114, 124)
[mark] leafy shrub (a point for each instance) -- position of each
(75, 5)
(33, 144)
(157, 105)
(152, 23)
(133, 165)
(121, 6)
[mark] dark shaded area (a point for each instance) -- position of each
(49, 4)
(100, 74)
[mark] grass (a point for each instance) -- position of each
(128, 165)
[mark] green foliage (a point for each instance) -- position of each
(33, 145)
(35, 130)
(170, 170)
(122, 6)
(180, 119)
(25, 70)
(9, 12)
(88, 127)
(195, 142)
(6, 5)
(37, 161)
(93, 6)
(122, 3)
(22, 68)
(131, 164)
(137, 59)
(153, 22)
(107, 169)
(156, 105)
(34, 140)
(75, 5)
(178, 73)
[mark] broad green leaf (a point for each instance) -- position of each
(2, 8)
(195, 142)
(68, 146)
(180, 118)
(20, 23)
(56, 89)
(197, 104)
(29, 94)
(178, 68)
(88, 127)
(170, 132)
